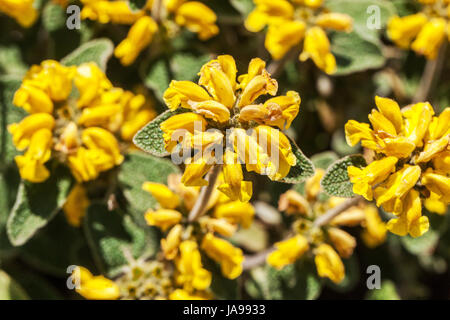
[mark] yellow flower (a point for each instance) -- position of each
(389, 193)
(411, 220)
(282, 37)
(139, 36)
(221, 226)
(180, 294)
(342, 241)
(101, 139)
(171, 243)
(223, 105)
(162, 218)
(32, 99)
(317, 47)
(374, 232)
(76, 204)
(165, 197)
(426, 29)
(198, 18)
(191, 275)
(292, 202)
(105, 11)
(288, 251)
(22, 132)
(22, 11)
(90, 82)
(31, 164)
(291, 21)
(234, 185)
(279, 111)
(235, 212)
(329, 264)
(229, 257)
(364, 179)
(438, 184)
(434, 204)
(95, 287)
(430, 38)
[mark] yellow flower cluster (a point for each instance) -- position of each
(74, 115)
(411, 166)
(228, 109)
(166, 15)
(423, 32)
(22, 11)
(320, 240)
(291, 21)
(182, 236)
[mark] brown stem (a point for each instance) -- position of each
(156, 10)
(430, 76)
(260, 258)
(334, 212)
(205, 194)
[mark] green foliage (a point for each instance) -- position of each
(336, 182)
(150, 138)
(302, 170)
(115, 239)
(53, 17)
(137, 169)
(30, 213)
(294, 282)
(98, 51)
(10, 289)
(387, 291)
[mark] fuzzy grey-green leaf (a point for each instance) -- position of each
(336, 182)
(302, 170)
(98, 51)
(150, 138)
(30, 212)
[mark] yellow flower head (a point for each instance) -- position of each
(229, 126)
(291, 21)
(182, 236)
(78, 130)
(423, 32)
(410, 170)
(329, 264)
(22, 11)
(288, 251)
(94, 287)
(163, 16)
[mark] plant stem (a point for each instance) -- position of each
(156, 10)
(260, 258)
(205, 194)
(431, 75)
(334, 212)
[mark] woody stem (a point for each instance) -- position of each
(334, 212)
(205, 194)
(260, 258)
(431, 75)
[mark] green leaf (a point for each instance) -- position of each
(9, 182)
(348, 49)
(35, 206)
(296, 281)
(11, 60)
(158, 77)
(388, 291)
(137, 169)
(324, 160)
(243, 6)
(112, 236)
(98, 51)
(423, 245)
(56, 247)
(53, 17)
(150, 138)
(336, 182)
(186, 66)
(364, 40)
(302, 170)
(9, 114)
(10, 289)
